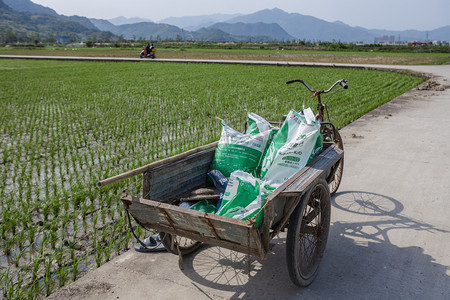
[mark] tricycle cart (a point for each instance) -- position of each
(301, 204)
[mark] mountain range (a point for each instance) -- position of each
(262, 26)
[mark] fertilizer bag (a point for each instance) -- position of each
(257, 124)
(244, 197)
(292, 148)
(238, 151)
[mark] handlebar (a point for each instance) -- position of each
(341, 82)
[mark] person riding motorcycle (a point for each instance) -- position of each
(148, 51)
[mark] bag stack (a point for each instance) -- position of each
(262, 159)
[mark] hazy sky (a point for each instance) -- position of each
(380, 14)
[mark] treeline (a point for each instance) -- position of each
(96, 40)
(302, 45)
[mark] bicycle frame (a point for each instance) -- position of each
(317, 93)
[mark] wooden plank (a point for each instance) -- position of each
(209, 240)
(177, 178)
(155, 164)
(180, 220)
(146, 176)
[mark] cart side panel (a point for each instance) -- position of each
(169, 181)
(159, 215)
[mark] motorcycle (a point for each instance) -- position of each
(146, 53)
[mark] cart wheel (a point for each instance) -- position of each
(307, 234)
(335, 181)
(186, 245)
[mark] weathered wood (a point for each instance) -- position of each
(177, 178)
(199, 225)
(155, 164)
(200, 197)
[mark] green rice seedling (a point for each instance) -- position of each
(2, 283)
(112, 213)
(32, 234)
(21, 239)
(43, 244)
(85, 227)
(138, 231)
(84, 210)
(104, 235)
(107, 250)
(59, 256)
(13, 224)
(48, 285)
(63, 275)
(7, 245)
(72, 252)
(117, 245)
(94, 222)
(46, 210)
(3, 230)
(53, 237)
(74, 268)
(56, 206)
(74, 229)
(17, 256)
(98, 256)
(35, 269)
(127, 240)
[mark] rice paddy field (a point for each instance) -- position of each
(65, 125)
(167, 51)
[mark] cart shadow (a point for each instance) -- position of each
(360, 261)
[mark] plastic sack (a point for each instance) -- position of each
(238, 151)
(208, 206)
(244, 197)
(219, 180)
(292, 148)
(257, 124)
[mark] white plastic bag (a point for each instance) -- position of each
(238, 151)
(294, 145)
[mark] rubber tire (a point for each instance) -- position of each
(166, 239)
(336, 181)
(301, 272)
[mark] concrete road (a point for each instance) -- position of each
(390, 228)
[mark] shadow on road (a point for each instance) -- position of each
(360, 260)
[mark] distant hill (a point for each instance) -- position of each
(194, 23)
(150, 30)
(24, 18)
(104, 25)
(313, 29)
(304, 27)
(123, 20)
(270, 31)
(19, 24)
(156, 31)
(28, 6)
